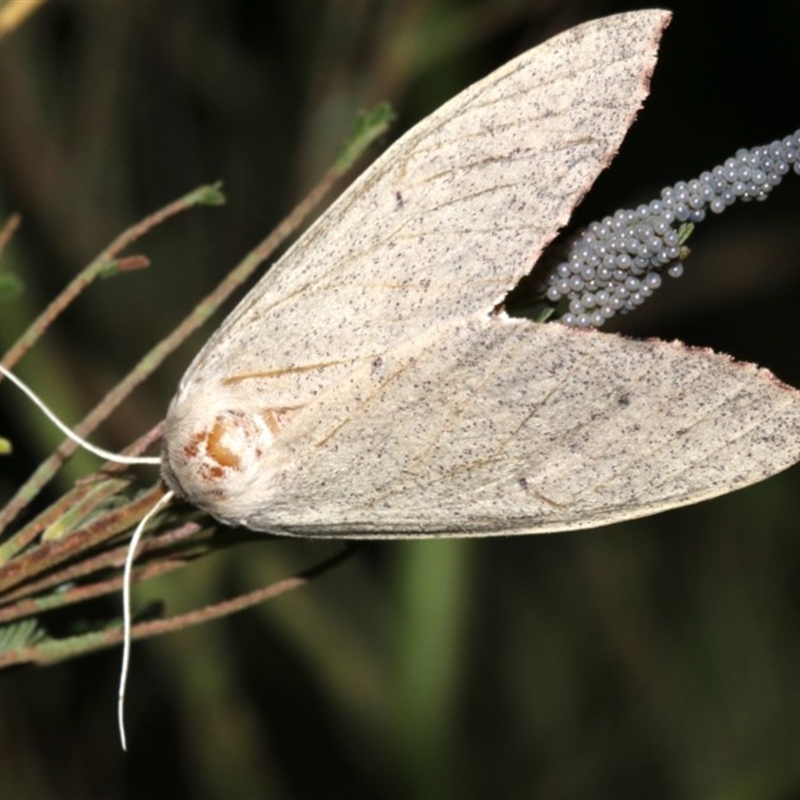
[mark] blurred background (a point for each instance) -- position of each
(658, 657)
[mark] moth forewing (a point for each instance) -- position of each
(485, 182)
(439, 228)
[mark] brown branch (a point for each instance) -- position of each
(23, 537)
(88, 274)
(50, 554)
(7, 231)
(22, 601)
(52, 650)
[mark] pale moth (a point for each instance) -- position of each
(367, 386)
(372, 386)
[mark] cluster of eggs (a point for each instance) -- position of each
(616, 264)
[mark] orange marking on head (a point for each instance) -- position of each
(221, 454)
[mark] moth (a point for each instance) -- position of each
(371, 386)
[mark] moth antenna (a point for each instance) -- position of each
(126, 611)
(98, 451)
(134, 543)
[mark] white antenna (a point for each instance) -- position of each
(134, 543)
(98, 451)
(126, 611)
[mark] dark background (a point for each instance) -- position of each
(658, 657)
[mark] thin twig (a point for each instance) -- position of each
(14, 601)
(51, 650)
(28, 606)
(50, 554)
(7, 231)
(23, 537)
(91, 271)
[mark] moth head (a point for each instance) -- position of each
(214, 453)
